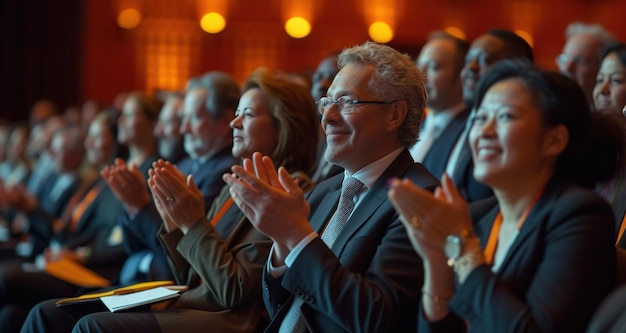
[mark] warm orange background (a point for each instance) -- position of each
(96, 59)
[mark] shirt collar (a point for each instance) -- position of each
(370, 173)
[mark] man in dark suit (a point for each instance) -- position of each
(361, 273)
(484, 52)
(66, 152)
(209, 107)
(49, 201)
(94, 240)
(441, 61)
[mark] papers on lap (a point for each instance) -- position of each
(123, 302)
(137, 295)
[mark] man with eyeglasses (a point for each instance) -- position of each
(341, 259)
(580, 58)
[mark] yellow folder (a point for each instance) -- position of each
(119, 291)
(70, 271)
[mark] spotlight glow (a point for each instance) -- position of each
(212, 22)
(380, 32)
(297, 27)
(129, 18)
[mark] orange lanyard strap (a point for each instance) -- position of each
(82, 206)
(492, 241)
(621, 230)
(217, 217)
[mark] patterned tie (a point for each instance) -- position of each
(293, 321)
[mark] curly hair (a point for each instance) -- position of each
(395, 78)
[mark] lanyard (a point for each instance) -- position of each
(217, 217)
(492, 242)
(621, 230)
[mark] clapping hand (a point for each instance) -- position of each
(177, 198)
(271, 200)
(429, 218)
(128, 184)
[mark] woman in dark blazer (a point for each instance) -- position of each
(539, 257)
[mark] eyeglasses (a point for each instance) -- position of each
(344, 104)
(562, 60)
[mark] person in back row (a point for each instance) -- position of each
(441, 60)
(40, 209)
(85, 232)
(171, 143)
(580, 57)
(484, 52)
(207, 111)
(320, 82)
(610, 97)
(219, 256)
(91, 235)
(609, 93)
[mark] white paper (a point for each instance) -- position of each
(122, 302)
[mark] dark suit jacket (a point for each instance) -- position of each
(97, 229)
(370, 280)
(143, 228)
(208, 175)
(50, 208)
(463, 177)
(437, 156)
(554, 275)
(55, 206)
(133, 241)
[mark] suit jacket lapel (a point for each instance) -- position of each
(374, 198)
(325, 211)
(536, 216)
(437, 157)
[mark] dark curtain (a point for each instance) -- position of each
(40, 54)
